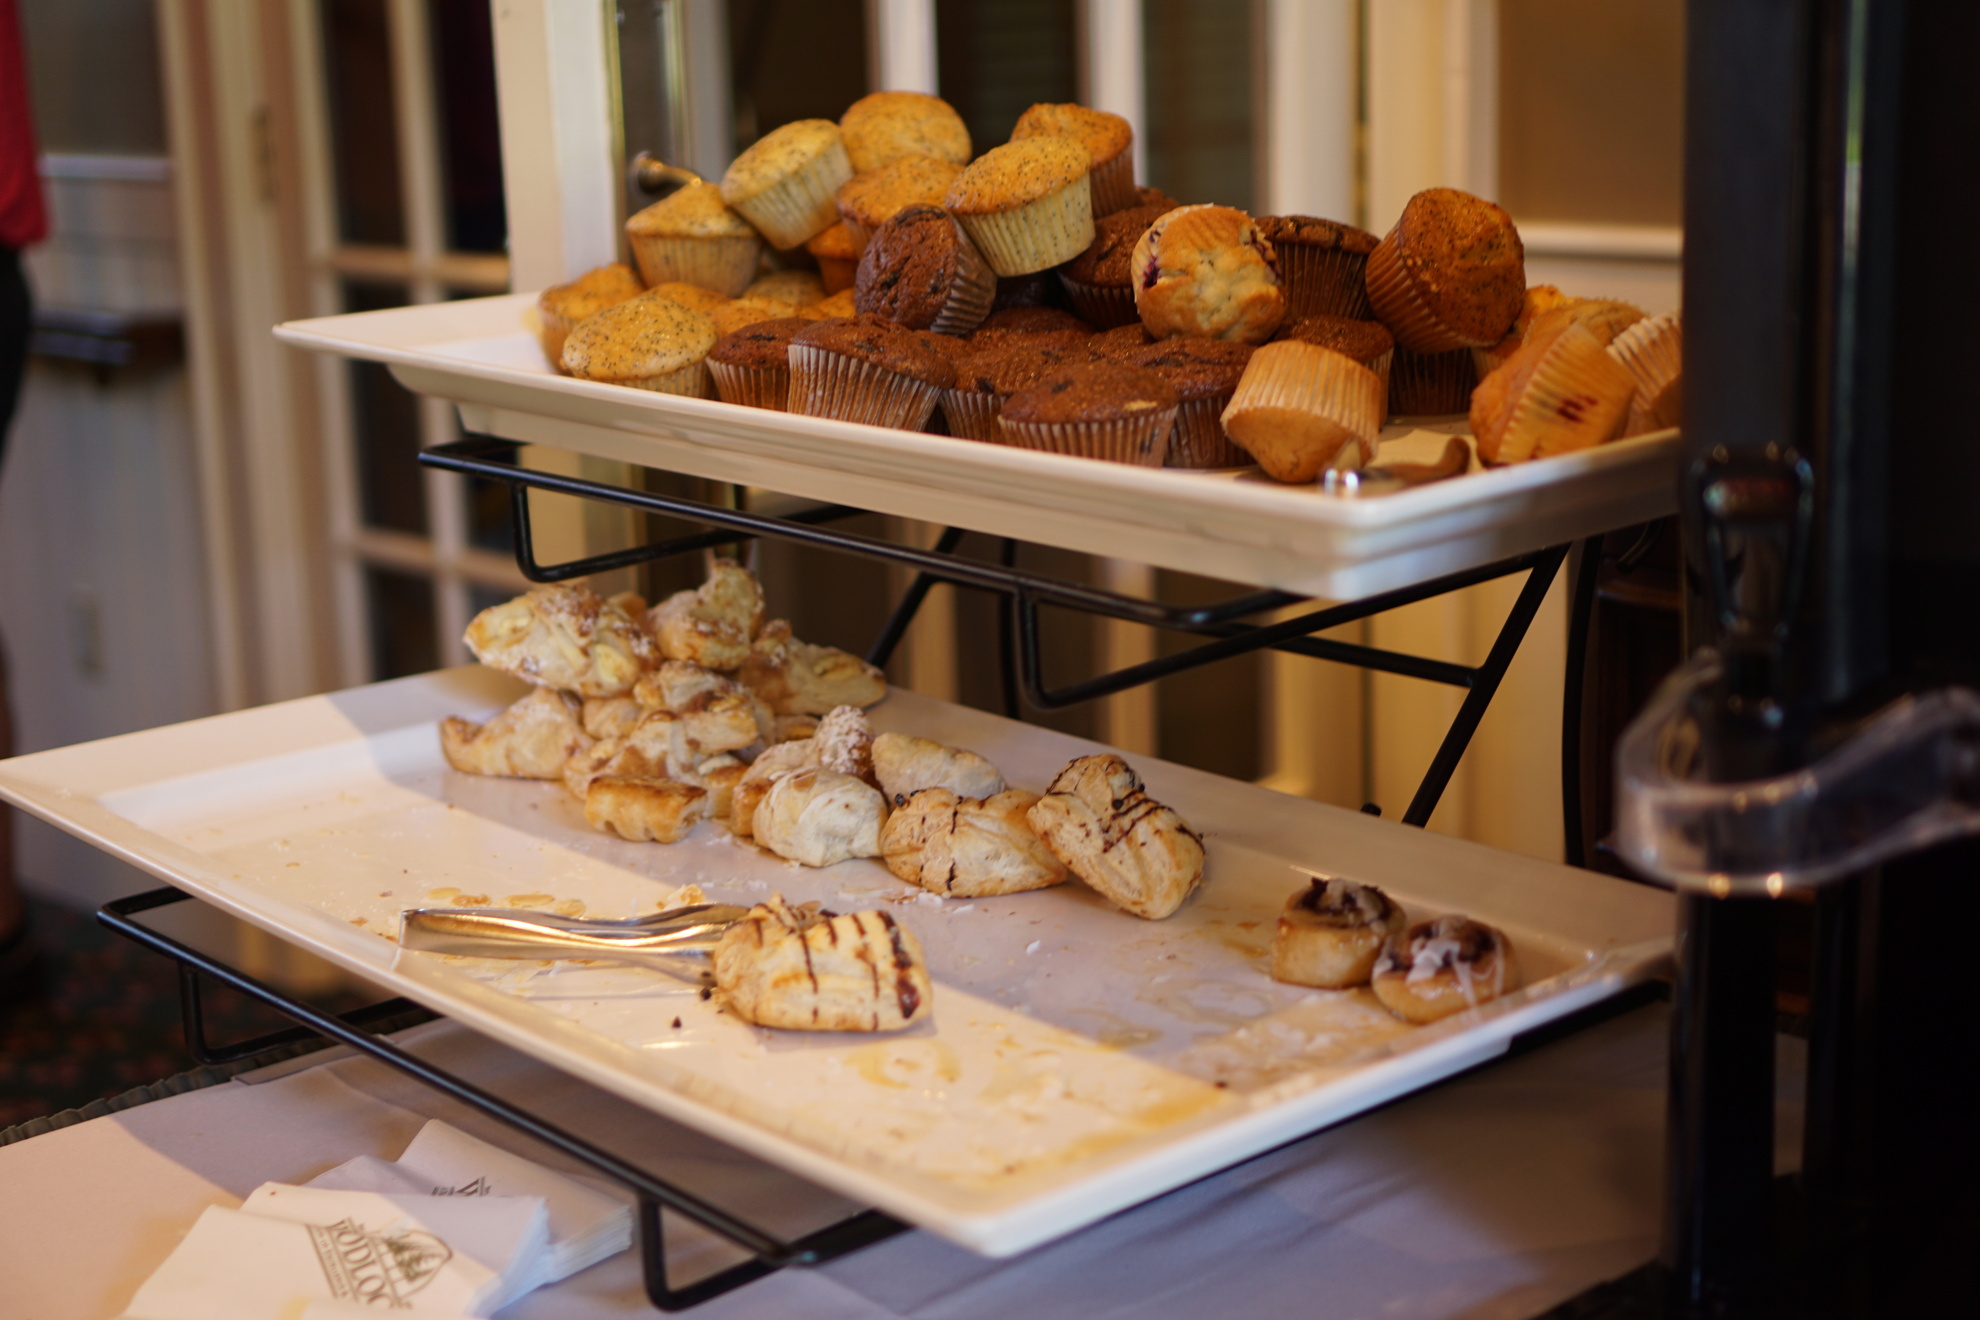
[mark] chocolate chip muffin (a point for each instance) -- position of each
(1322, 263)
(864, 369)
(1450, 275)
(751, 365)
(921, 271)
(1105, 410)
(1122, 339)
(1100, 280)
(996, 368)
(1205, 373)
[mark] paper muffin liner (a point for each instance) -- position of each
(689, 380)
(1324, 282)
(1198, 440)
(1113, 184)
(972, 414)
(1652, 351)
(1300, 409)
(1048, 232)
(724, 264)
(752, 387)
(1576, 398)
(1431, 385)
(1398, 305)
(1142, 441)
(828, 384)
(971, 293)
(802, 204)
(1103, 306)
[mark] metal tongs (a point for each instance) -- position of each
(677, 941)
(1360, 483)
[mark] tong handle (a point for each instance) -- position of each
(490, 933)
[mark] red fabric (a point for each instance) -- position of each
(23, 219)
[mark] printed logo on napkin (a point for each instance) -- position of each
(377, 1269)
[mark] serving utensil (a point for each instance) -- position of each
(1391, 477)
(676, 941)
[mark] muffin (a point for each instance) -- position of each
(784, 183)
(1155, 197)
(750, 366)
(694, 237)
(649, 343)
(561, 307)
(1108, 139)
(1032, 321)
(1652, 351)
(1026, 205)
(1450, 275)
(1205, 374)
(1322, 263)
(1100, 281)
(792, 288)
(1301, 409)
(1105, 410)
(1041, 288)
(1431, 384)
(884, 127)
(837, 254)
(1122, 339)
(842, 303)
(1204, 271)
(867, 201)
(1537, 300)
(1560, 392)
(690, 295)
(737, 313)
(921, 271)
(1605, 318)
(1367, 342)
(863, 369)
(992, 370)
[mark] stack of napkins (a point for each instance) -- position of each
(454, 1227)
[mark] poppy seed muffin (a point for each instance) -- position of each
(863, 369)
(793, 288)
(562, 307)
(650, 343)
(1026, 205)
(751, 366)
(867, 201)
(882, 128)
(1100, 280)
(837, 254)
(784, 183)
(734, 315)
(1450, 275)
(694, 237)
(1322, 263)
(992, 370)
(1302, 409)
(921, 271)
(1108, 139)
(1105, 410)
(1205, 374)
(1204, 270)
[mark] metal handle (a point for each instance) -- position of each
(654, 177)
(674, 942)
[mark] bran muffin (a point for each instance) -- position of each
(1431, 384)
(1026, 205)
(1108, 139)
(1100, 281)
(1302, 409)
(1205, 374)
(751, 366)
(863, 369)
(992, 370)
(784, 183)
(1205, 271)
(921, 271)
(1032, 321)
(1323, 264)
(650, 343)
(837, 255)
(1367, 342)
(1105, 410)
(867, 201)
(694, 237)
(561, 307)
(1121, 339)
(885, 126)
(1450, 275)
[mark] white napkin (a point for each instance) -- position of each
(586, 1224)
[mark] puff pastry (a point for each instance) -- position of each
(713, 624)
(968, 847)
(657, 748)
(905, 765)
(644, 810)
(862, 971)
(564, 637)
(714, 705)
(1098, 819)
(750, 789)
(818, 817)
(720, 775)
(844, 742)
(612, 717)
(530, 740)
(797, 678)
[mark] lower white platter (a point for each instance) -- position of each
(1079, 1060)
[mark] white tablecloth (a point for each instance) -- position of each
(1498, 1194)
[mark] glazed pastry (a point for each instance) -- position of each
(1205, 271)
(1301, 410)
(861, 971)
(968, 847)
(1098, 819)
(714, 624)
(884, 127)
(1109, 142)
(1027, 205)
(921, 271)
(905, 765)
(564, 637)
(1331, 933)
(1105, 409)
(693, 237)
(1450, 275)
(651, 342)
(783, 184)
(720, 775)
(797, 678)
(561, 307)
(792, 288)
(868, 201)
(819, 817)
(1444, 966)
(866, 370)
(644, 810)
(751, 786)
(530, 740)
(1323, 264)
(1559, 393)
(844, 743)
(750, 366)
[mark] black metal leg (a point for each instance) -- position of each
(902, 618)
(1586, 568)
(1007, 637)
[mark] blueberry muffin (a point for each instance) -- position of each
(1205, 271)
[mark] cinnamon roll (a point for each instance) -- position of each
(1444, 966)
(1331, 933)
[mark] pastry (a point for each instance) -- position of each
(1098, 819)
(1205, 374)
(1444, 966)
(650, 342)
(994, 367)
(1204, 270)
(1301, 409)
(720, 775)
(867, 201)
(1560, 392)
(1322, 263)
(921, 271)
(837, 253)
(749, 365)
(797, 678)
(560, 308)
(644, 810)
(783, 184)
(714, 624)
(1099, 282)
(791, 728)
(1109, 142)
(1027, 205)
(904, 765)
(530, 740)
(866, 370)
(563, 636)
(863, 971)
(1331, 933)
(819, 817)
(610, 717)
(755, 781)
(844, 743)
(1106, 410)
(717, 714)
(1652, 351)
(655, 748)
(884, 127)
(963, 847)
(1450, 275)
(693, 237)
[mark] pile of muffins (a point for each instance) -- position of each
(875, 271)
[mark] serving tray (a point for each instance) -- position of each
(1079, 1060)
(1235, 525)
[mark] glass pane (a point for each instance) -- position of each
(794, 61)
(1199, 100)
(996, 58)
(470, 135)
(384, 429)
(364, 142)
(1591, 110)
(404, 638)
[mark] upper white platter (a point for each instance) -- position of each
(1079, 1060)
(1239, 526)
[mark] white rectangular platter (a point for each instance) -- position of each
(1078, 1061)
(1239, 525)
